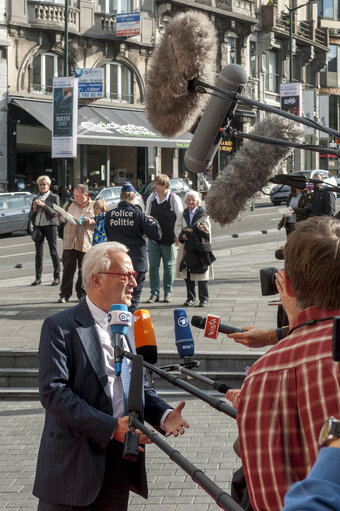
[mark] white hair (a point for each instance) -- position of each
(98, 259)
(194, 194)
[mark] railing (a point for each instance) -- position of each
(53, 13)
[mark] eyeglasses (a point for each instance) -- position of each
(125, 276)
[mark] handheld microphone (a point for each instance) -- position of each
(207, 137)
(134, 407)
(145, 339)
(184, 339)
(211, 326)
(119, 319)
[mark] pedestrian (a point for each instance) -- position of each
(100, 208)
(297, 201)
(80, 465)
(43, 216)
(322, 201)
(77, 241)
(127, 224)
(193, 232)
(166, 207)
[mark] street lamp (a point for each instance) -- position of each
(64, 161)
(291, 11)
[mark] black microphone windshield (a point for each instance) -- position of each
(198, 321)
(135, 399)
(287, 179)
(186, 50)
(249, 170)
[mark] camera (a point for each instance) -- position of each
(268, 284)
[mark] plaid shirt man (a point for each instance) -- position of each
(285, 399)
(79, 237)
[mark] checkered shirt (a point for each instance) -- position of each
(79, 237)
(285, 399)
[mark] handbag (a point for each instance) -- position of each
(37, 234)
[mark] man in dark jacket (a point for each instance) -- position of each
(322, 201)
(130, 226)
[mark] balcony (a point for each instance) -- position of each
(52, 15)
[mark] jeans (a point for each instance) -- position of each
(156, 253)
(50, 233)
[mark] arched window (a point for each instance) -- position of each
(45, 67)
(114, 6)
(118, 82)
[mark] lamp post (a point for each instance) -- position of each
(64, 161)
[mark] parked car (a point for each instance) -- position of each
(279, 194)
(14, 210)
(177, 185)
(326, 174)
(112, 197)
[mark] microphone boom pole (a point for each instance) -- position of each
(214, 402)
(220, 387)
(221, 498)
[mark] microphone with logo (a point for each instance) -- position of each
(183, 335)
(212, 325)
(145, 339)
(119, 319)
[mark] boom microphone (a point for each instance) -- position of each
(186, 50)
(212, 327)
(207, 137)
(249, 170)
(286, 179)
(184, 339)
(145, 339)
(119, 319)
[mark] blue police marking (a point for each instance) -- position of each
(183, 322)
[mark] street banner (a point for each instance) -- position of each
(90, 82)
(65, 117)
(291, 97)
(324, 114)
(128, 24)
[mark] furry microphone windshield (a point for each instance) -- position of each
(187, 50)
(249, 170)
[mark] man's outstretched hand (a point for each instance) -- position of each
(174, 423)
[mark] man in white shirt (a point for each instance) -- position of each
(80, 462)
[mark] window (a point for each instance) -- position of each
(118, 83)
(232, 53)
(332, 59)
(45, 67)
(114, 6)
(329, 9)
(271, 77)
(252, 58)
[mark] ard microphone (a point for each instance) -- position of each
(207, 137)
(249, 170)
(211, 326)
(183, 335)
(119, 319)
(145, 339)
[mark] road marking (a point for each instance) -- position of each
(18, 245)
(16, 255)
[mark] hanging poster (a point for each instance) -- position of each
(65, 117)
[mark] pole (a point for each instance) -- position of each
(64, 160)
(291, 11)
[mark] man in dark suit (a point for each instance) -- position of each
(80, 464)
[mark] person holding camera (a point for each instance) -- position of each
(295, 386)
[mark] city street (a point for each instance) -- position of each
(234, 294)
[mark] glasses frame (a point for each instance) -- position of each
(127, 276)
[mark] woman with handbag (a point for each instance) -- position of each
(45, 226)
(195, 258)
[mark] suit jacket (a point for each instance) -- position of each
(79, 419)
(48, 209)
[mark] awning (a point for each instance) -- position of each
(107, 126)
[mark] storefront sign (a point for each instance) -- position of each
(65, 118)
(291, 97)
(128, 24)
(226, 145)
(128, 130)
(90, 82)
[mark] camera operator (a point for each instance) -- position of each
(294, 387)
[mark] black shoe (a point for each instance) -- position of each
(37, 282)
(203, 303)
(188, 303)
(62, 299)
(56, 282)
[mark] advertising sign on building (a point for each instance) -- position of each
(308, 109)
(128, 24)
(90, 82)
(65, 117)
(291, 97)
